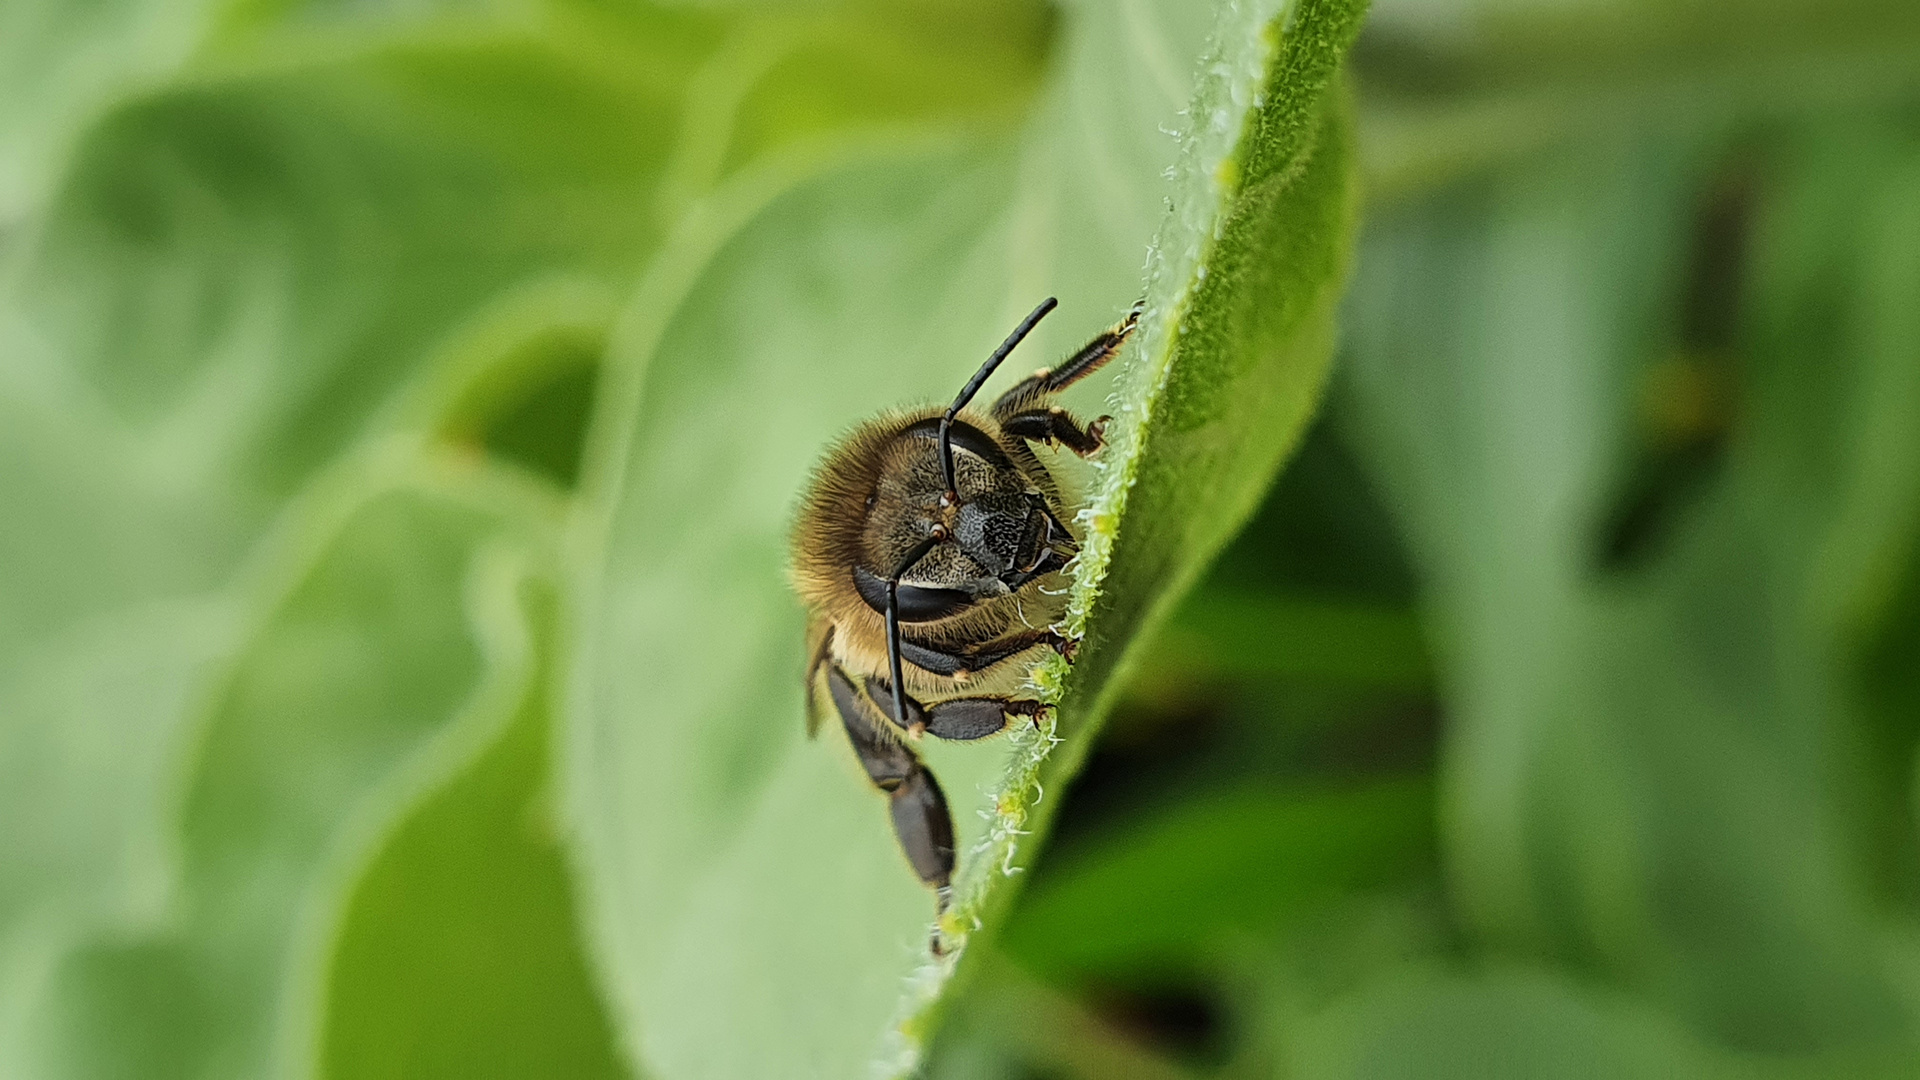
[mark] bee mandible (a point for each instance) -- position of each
(922, 550)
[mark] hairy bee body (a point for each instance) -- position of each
(844, 517)
(928, 552)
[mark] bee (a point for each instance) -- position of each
(922, 550)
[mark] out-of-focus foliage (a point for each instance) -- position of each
(401, 406)
(1628, 417)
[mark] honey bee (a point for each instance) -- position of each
(922, 549)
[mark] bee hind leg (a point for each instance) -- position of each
(921, 820)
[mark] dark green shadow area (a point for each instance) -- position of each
(529, 407)
(542, 431)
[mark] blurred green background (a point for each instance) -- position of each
(1556, 715)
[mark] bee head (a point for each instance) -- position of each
(988, 536)
(976, 526)
(949, 538)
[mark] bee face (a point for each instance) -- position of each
(997, 530)
(942, 525)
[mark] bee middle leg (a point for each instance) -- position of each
(955, 719)
(921, 820)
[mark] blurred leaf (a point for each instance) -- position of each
(758, 916)
(1317, 588)
(1505, 1023)
(268, 255)
(1649, 774)
(1588, 43)
(350, 692)
(534, 412)
(1015, 1026)
(1835, 412)
(1189, 880)
(457, 955)
(214, 277)
(62, 62)
(1219, 633)
(1509, 1021)
(1451, 88)
(344, 223)
(1322, 532)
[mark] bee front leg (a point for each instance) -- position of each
(1042, 384)
(978, 658)
(921, 820)
(1054, 424)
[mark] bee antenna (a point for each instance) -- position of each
(980, 377)
(893, 622)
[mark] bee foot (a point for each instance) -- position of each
(1097, 432)
(1034, 711)
(1067, 647)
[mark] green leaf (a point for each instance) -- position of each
(395, 646)
(345, 227)
(1511, 1021)
(1653, 769)
(754, 912)
(1015, 1025)
(1504, 1023)
(273, 255)
(1223, 633)
(59, 64)
(238, 279)
(1193, 878)
(457, 955)
(1448, 91)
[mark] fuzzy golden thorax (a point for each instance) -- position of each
(875, 495)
